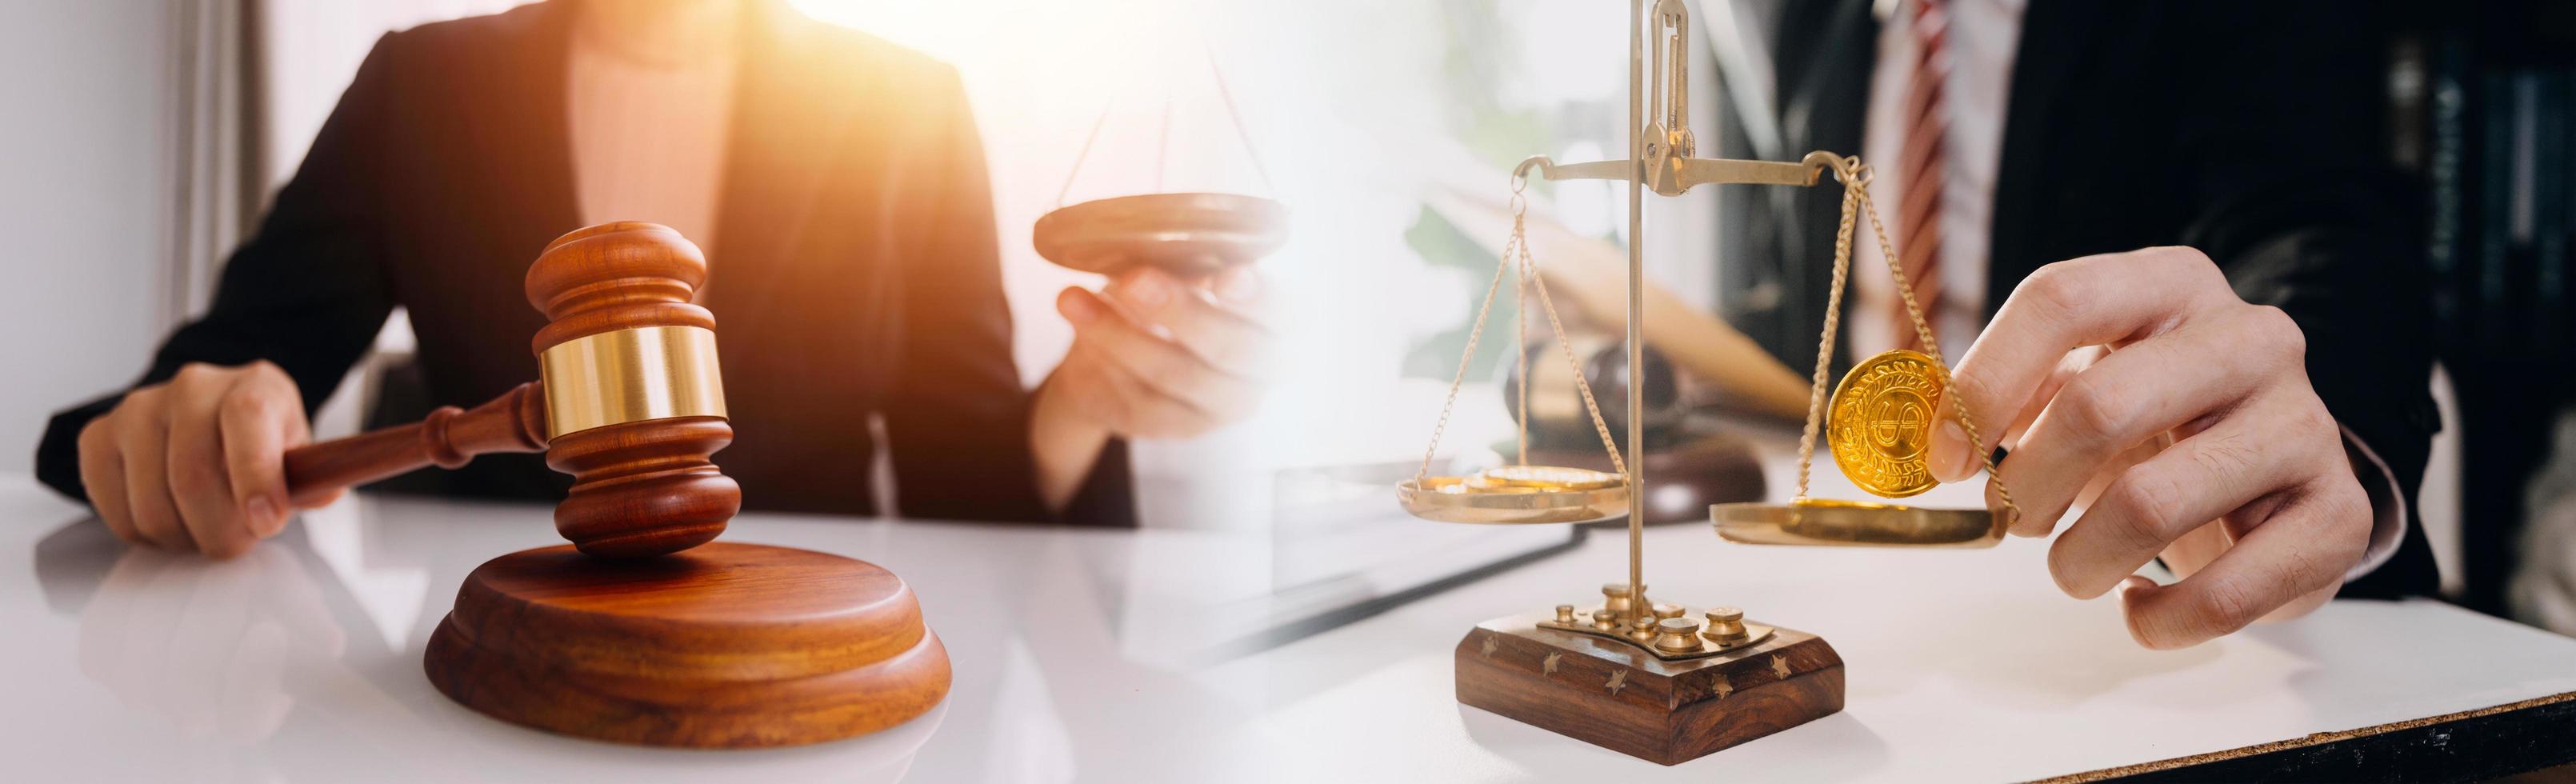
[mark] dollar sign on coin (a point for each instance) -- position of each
(1881, 423)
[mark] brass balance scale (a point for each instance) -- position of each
(1647, 678)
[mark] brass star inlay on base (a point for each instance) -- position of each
(1722, 687)
(1780, 666)
(1618, 680)
(1548, 666)
(1489, 646)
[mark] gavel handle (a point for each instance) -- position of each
(513, 422)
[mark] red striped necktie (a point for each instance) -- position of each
(1921, 166)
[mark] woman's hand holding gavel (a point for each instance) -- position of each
(215, 459)
(197, 463)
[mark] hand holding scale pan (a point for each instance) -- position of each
(1174, 345)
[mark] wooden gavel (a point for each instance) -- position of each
(631, 404)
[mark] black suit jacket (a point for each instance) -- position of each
(854, 273)
(2256, 132)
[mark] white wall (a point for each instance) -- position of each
(85, 202)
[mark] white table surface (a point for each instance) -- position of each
(301, 662)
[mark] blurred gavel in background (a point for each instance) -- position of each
(631, 404)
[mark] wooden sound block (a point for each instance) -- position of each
(1621, 698)
(724, 645)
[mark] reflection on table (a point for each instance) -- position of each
(301, 661)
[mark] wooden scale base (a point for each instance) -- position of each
(722, 646)
(1622, 698)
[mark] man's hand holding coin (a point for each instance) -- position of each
(2140, 386)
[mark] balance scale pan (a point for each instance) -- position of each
(1856, 523)
(1184, 233)
(1448, 499)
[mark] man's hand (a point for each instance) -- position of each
(2140, 382)
(197, 463)
(1156, 358)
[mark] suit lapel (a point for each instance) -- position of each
(531, 139)
(779, 148)
(504, 190)
(2054, 38)
(1825, 53)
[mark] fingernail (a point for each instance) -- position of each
(1076, 306)
(264, 518)
(1240, 285)
(1149, 289)
(2132, 583)
(1957, 460)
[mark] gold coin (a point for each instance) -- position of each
(1545, 478)
(1469, 485)
(1880, 427)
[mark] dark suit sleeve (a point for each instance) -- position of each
(958, 420)
(2284, 127)
(305, 292)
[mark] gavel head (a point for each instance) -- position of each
(634, 405)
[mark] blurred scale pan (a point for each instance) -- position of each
(1186, 234)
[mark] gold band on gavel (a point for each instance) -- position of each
(631, 375)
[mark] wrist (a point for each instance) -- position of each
(1063, 443)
